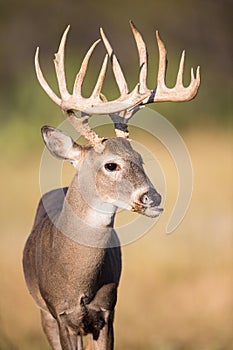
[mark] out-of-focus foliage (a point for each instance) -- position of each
(203, 28)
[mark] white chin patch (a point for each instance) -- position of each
(153, 212)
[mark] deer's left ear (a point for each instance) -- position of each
(61, 145)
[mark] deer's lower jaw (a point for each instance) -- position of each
(151, 212)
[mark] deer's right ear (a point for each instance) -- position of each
(61, 145)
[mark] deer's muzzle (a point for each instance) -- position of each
(148, 204)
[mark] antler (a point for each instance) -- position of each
(75, 101)
(122, 108)
(161, 93)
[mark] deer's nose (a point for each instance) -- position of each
(151, 198)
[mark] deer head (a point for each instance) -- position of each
(115, 171)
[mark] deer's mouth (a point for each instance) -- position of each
(153, 212)
(150, 211)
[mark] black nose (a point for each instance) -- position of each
(151, 198)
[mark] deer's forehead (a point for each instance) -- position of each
(116, 148)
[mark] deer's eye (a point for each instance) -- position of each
(112, 166)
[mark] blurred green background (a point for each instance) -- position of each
(176, 291)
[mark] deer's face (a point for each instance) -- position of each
(111, 172)
(119, 177)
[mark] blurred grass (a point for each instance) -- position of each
(176, 291)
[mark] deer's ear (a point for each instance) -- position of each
(61, 145)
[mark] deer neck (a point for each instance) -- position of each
(85, 218)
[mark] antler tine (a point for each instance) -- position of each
(99, 84)
(82, 72)
(43, 82)
(162, 62)
(195, 82)
(118, 73)
(179, 79)
(143, 58)
(59, 66)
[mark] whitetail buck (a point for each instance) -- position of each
(72, 258)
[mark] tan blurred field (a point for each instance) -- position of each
(176, 290)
